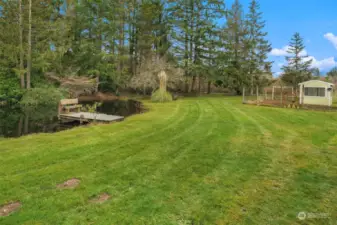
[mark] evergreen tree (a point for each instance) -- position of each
(298, 68)
(117, 39)
(315, 73)
(332, 75)
(9, 37)
(193, 23)
(180, 19)
(259, 46)
(236, 48)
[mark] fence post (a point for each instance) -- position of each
(243, 95)
(272, 94)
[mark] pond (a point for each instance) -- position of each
(15, 122)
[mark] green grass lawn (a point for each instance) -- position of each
(208, 160)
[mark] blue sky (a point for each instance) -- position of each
(315, 20)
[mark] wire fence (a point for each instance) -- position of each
(281, 96)
(273, 96)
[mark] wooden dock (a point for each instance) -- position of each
(66, 115)
(88, 117)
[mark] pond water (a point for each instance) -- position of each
(15, 122)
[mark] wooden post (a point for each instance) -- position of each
(243, 95)
(59, 110)
(272, 94)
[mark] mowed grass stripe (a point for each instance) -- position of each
(151, 178)
(170, 177)
(101, 151)
(210, 163)
(128, 177)
(272, 189)
(64, 154)
(97, 133)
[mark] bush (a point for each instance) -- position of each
(45, 96)
(161, 96)
(10, 90)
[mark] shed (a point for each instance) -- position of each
(316, 92)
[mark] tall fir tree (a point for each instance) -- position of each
(259, 46)
(236, 48)
(193, 21)
(180, 19)
(299, 63)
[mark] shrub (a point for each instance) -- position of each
(161, 96)
(45, 96)
(10, 91)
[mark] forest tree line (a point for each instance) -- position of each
(125, 42)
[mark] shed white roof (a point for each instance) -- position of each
(309, 81)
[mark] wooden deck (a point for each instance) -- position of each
(87, 117)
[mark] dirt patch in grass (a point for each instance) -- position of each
(69, 184)
(7, 209)
(100, 198)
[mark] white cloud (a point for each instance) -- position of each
(278, 73)
(284, 51)
(324, 64)
(332, 38)
(279, 52)
(303, 53)
(280, 64)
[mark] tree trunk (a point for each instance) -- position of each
(131, 49)
(26, 124)
(29, 55)
(251, 85)
(22, 74)
(193, 83)
(20, 126)
(209, 87)
(136, 60)
(186, 84)
(186, 71)
(191, 28)
(121, 39)
(199, 86)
